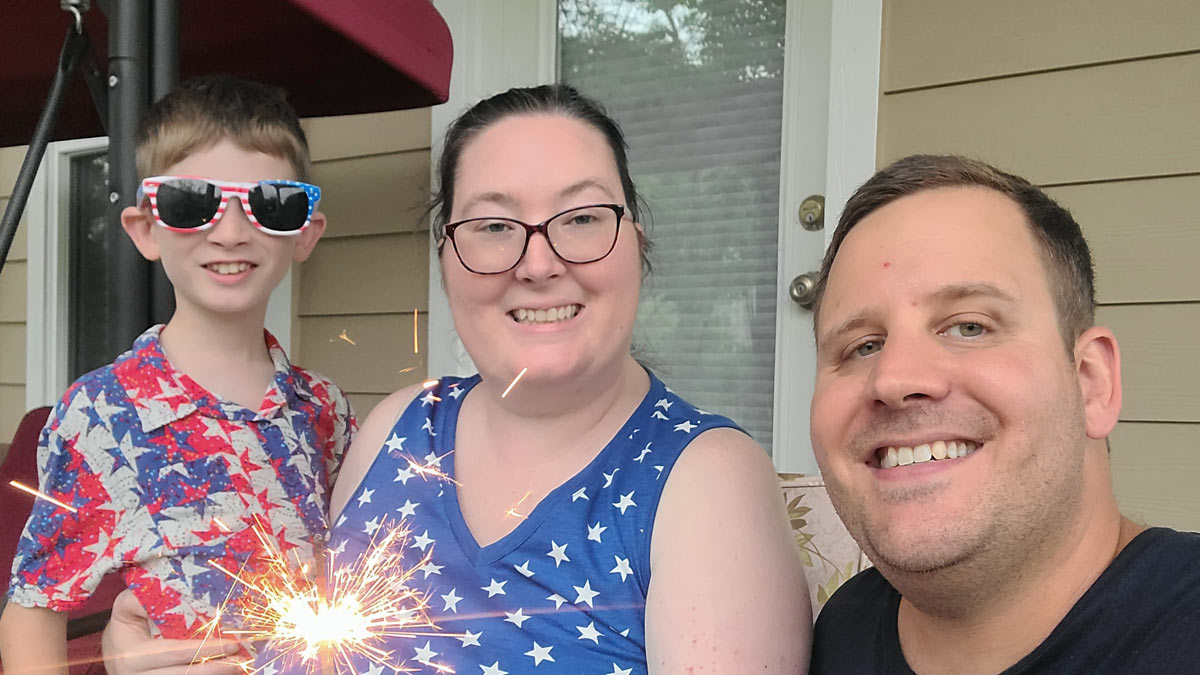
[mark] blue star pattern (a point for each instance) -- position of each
(565, 591)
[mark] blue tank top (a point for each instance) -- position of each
(565, 591)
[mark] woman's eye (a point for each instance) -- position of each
(493, 227)
(966, 329)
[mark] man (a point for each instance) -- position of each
(963, 402)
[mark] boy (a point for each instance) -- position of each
(169, 456)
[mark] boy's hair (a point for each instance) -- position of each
(203, 110)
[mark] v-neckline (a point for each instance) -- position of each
(484, 555)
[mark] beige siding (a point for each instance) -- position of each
(12, 307)
(1097, 100)
(354, 298)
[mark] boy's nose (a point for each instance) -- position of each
(233, 227)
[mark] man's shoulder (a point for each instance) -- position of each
(856, 629)
(865, 594)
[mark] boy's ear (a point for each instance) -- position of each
(307, 240)
(137, 223)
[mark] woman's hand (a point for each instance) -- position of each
(130, 650)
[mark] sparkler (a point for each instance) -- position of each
(514, 382)
(512, 511)
(336, 612)
(41, 495)
(344, 336)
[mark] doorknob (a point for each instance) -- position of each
(803, 290)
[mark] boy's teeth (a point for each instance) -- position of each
(229, 268)
(552, 315)
(892, 456)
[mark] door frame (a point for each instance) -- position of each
(831, 80)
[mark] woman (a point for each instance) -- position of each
(588, 519)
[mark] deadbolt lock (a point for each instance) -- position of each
(812, 213)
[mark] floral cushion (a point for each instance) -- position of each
(830, 554)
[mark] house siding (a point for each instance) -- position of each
(354, 298)
(12, 308)
(1095, 100)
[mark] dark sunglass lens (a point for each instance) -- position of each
(186, 203)
(279, 207)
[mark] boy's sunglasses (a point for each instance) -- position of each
(186, 204)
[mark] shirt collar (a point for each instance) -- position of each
(165, 395)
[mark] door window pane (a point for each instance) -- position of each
(698, 89)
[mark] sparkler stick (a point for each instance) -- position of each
(514, 382)
(41, 495)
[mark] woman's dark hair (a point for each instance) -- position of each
(553, 99)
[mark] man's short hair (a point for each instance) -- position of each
(203, 110)
(1064, 252)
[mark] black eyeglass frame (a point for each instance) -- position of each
(541, 228)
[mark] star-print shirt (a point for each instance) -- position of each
(164, 478)
(565, 591)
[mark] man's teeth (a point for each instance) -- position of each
(903, 456)
(229, 268)
(545, 315)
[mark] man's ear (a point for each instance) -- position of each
(307, 240)
(137, 223)
(1098, 366)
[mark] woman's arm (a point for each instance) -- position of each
(727, 591)
(130, 650)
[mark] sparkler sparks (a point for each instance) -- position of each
(512, 511)
(416, 345)
(344, 336)
(331, 616)
(41, 495)
(514, 382)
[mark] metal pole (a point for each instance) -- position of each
(164, 76)
(74, 47)
(129, 288)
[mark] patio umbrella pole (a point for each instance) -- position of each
(74, 49)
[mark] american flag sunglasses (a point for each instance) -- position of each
(191, 204)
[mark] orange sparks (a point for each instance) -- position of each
(344, 336)
(428, 383)
(407, 370)
(512, 511)
(514, 382)
(221, 524)
(416, 344)
(41, 495)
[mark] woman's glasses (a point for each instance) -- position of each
(580, 235)
(185, 204)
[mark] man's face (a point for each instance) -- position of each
(937, 331)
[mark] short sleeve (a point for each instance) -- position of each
(64, 553)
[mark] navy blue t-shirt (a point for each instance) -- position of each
(1142, 615)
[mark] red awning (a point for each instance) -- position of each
(334, 57)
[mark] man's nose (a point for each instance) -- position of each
(909, 369)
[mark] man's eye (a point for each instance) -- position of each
(966, 329)
(868, 348)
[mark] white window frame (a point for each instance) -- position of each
(48, 284)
